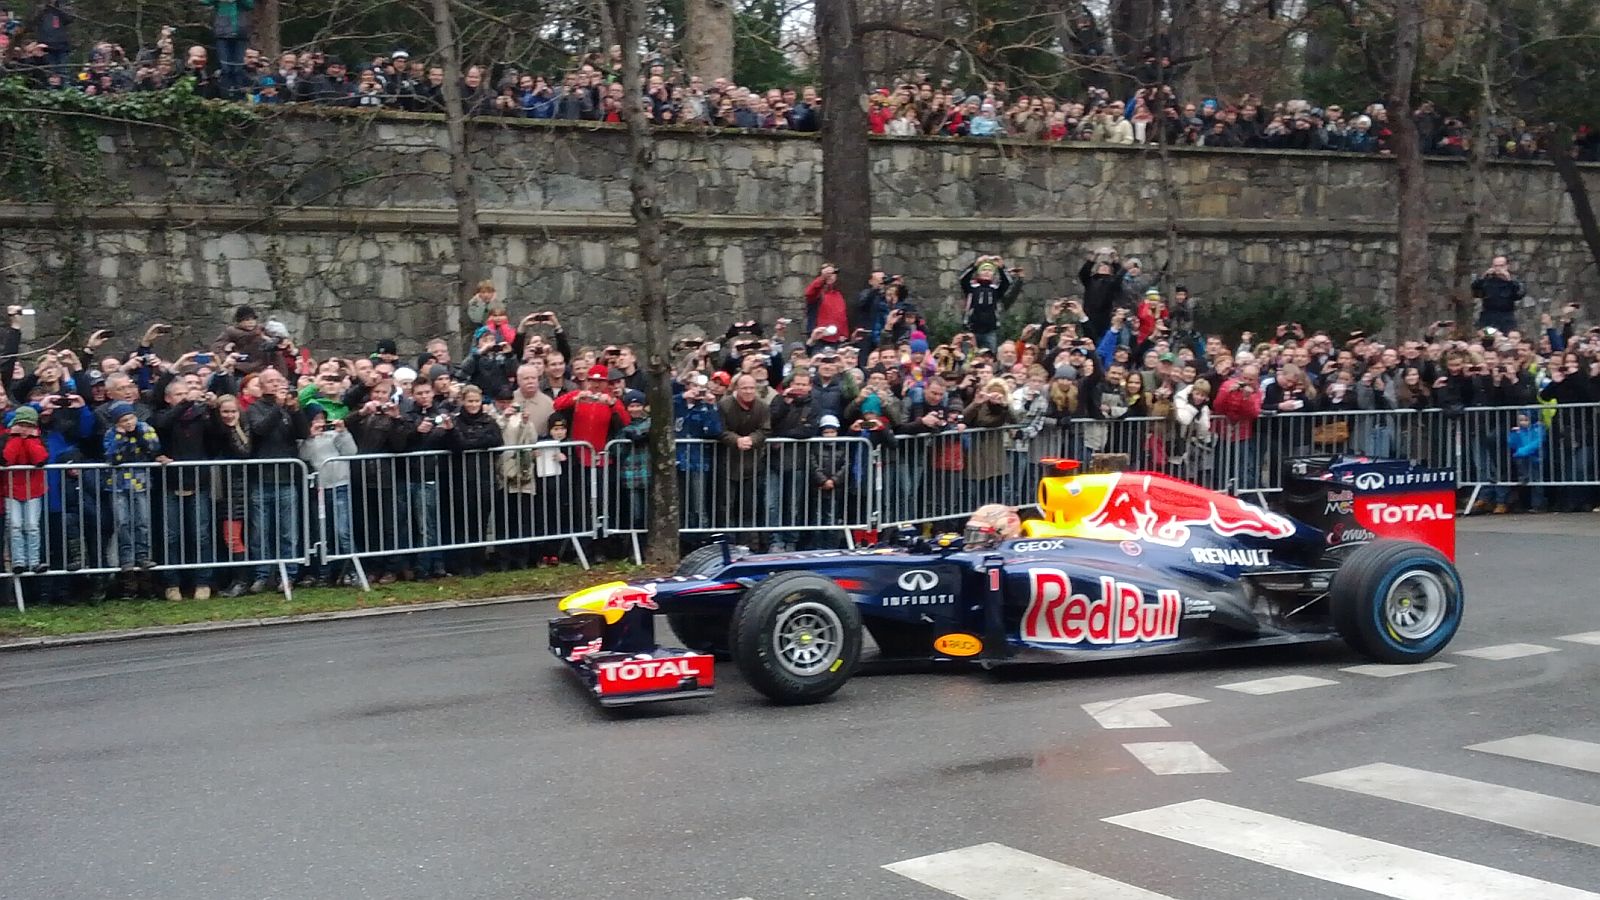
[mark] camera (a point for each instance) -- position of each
(62, 402)
(202, 359)
(831, 330)
(440, 419)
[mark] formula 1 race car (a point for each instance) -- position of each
(1119, 564)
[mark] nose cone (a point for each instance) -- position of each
(611, 600)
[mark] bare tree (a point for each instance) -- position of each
(623, 23)
(462, 182)
(1411, 275)
(846, 181)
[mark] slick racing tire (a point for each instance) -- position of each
(796, 637)
(704, 633)
(1396, 601)
(708, 559)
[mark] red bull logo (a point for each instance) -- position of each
(1143, 506)
(1120, 615)
(631, 596)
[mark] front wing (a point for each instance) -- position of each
(615, 678)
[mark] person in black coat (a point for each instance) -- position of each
(470, 490)
(1101, 275)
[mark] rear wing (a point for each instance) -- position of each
(1356, 499)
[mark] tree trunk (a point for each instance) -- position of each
(1467, 249)
(623, 21)
(1572, 178)
(268, 39)
(1170, 268)
(462, 188)
(846, 181)
(1411, 276)
(708, 45)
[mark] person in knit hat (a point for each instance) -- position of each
(24, 491)
(131, 445)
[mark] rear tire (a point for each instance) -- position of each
(1397, 601)
(797, 637)
(705, 633)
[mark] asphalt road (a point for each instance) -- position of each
(445, 755)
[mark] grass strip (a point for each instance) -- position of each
(119, 614)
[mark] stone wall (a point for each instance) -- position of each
(344, 224)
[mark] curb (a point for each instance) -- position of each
(129, 634)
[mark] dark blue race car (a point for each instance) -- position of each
(1119, 564)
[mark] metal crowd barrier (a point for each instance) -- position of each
(822, 488)
(205, 522)
(383, 514)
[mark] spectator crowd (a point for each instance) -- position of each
(427, 462)
(1145, 108)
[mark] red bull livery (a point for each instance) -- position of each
(1116, 564)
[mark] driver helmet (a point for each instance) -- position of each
(990, 524)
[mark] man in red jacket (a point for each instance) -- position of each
(1239, 403)
(825, 307)
(597, 417)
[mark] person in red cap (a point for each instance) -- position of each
(597, 417)
(825, 308)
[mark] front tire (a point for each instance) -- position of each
(1397, 601)
(796, 637)
(705, 633)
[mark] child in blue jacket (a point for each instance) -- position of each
(1526, 441)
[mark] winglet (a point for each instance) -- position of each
(1061, 465)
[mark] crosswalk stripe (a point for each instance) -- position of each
(1174, 758)
(1384, 670)
(1586, 637)
(1277, 685)
(1544, 748)
(997, 872)
(1137, 712)
(1386, 869)
(1506, 651)
(1538, 813)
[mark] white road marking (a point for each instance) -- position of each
(1507, 651)
(1543, 748)
(998, 872)
(1137, 712)
(1539, 813)
(1277, 685)
(1174, 758)
(1386, 869)
(1586, 637)
(1381, 670)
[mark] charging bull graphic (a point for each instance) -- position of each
(1141, 506)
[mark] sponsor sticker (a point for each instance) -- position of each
(1397, 513)
(625, 598)
(1120, 614)
(1340, 535)
(1037, 546)
(1132, 548)
(1230, 556)
(958, 645)
(636, 676)
(1198, 609)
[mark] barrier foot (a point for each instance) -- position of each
(638, 556)
(849, 539)
(361, 575)
(288, 585)
(1472, 500)
(16, 590)
(583, 559)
